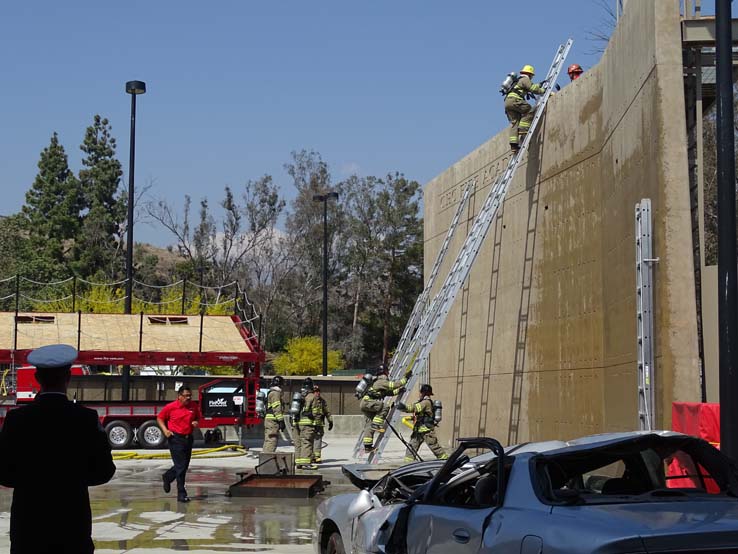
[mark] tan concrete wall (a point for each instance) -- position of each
(542, 343)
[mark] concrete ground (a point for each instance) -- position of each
(133, 515)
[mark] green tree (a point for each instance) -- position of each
(99, 247)
(304, 356)
(400, 255)
(20, 256)
(53, 205)
(304, 224)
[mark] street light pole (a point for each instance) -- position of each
(324, 199)
(134, 88)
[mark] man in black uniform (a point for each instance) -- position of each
(50, 452)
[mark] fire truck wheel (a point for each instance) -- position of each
(150, 436)
(119, 434)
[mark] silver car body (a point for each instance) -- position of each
(437, 508)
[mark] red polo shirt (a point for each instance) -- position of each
(179, 418)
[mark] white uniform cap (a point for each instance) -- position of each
(53, 356)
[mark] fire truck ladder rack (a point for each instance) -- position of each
(415, 357)
(644, 314)
(421, 303)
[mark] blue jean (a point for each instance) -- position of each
(180, 447)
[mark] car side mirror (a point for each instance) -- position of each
(363, 502)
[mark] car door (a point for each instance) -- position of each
(435, 529)
(445, 518)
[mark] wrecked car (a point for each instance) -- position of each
(637, 492)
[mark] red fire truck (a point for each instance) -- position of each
(220, 340)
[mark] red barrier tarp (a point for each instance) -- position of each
(699, 420)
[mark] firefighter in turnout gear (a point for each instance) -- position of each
(322, 413)
(519, 113)
(424, 425)
(274, 419)
(373, 407)
(298, 401)
(306, 426)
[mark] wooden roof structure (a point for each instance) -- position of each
(133, 339)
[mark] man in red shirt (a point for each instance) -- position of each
(177, 420)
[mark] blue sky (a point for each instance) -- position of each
(235, 86)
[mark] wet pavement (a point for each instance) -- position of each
(133, 515)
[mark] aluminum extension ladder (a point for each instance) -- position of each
(415, 356)
(644, 314)
(395, 368)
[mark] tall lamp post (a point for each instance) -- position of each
(324, 199)
(134, 88)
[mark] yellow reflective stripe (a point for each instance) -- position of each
(368, 440)
(378, 420)
(418, 407)
(276, 404)
(270, 416)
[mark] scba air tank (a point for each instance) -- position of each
(261, 409)
(437, 411)
(296, 405)
(364, 384)
(508, 83)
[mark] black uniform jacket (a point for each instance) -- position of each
(50, 452)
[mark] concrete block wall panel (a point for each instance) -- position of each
(548, 314)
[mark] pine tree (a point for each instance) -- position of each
(99, 247)
(53, 204)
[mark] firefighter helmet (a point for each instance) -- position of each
(381, 370)
(307, 383)
(574, 70)
(426, 390)
(528, 69)
(277, 381)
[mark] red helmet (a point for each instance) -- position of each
(574, 69)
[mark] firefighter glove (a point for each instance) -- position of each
(557, 86)
(282, 425)
(402, 406)
(330, 425)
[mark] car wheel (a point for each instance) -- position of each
(150, 435)
(335, 544)
(119, 434)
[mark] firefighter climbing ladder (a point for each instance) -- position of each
(644, 313)
(422, 301)
(415, 357)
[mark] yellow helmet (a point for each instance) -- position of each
(528, 69)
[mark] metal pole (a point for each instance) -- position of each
(129, 240)
(325, 286)
(727, 267)
(184, 294)
(17, 294)
(126, 377)
(202, 320)
(74, 295)
(79, 329)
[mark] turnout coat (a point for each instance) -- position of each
(50, 452)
